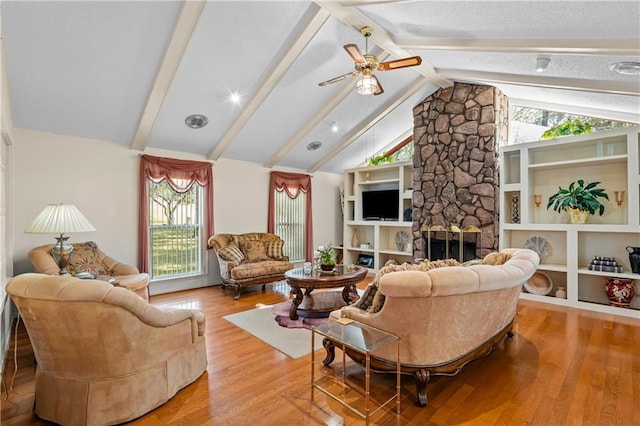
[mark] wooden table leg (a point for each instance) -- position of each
(297, 300)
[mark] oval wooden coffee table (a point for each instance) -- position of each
(323, 302)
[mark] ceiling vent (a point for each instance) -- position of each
(196, 121)
(314, 145)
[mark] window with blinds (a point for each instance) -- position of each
(176, 224)
(291, 223)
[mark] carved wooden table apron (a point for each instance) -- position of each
(325, 301)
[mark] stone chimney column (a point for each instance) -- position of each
(457, 134)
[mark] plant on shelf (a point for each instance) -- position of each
(579, 200)
(380, 159)
(327, 257)
(569, 127)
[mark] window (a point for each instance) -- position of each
(290, 213)
(290, 223)
(530, 124)
(175, 230)
(175, 217)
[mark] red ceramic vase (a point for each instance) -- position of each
(620, 291)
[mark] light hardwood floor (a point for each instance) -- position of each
(563, 366)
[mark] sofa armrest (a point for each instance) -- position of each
(225, 267)
(117, 268)
(153, 315)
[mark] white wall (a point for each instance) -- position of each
(101, 179)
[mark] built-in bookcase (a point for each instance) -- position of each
(379, 235)
(539, 168)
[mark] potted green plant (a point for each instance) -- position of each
(579, 200)
(327, 259)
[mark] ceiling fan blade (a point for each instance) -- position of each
(354, 52)
(411, 61)
(337, 79)
(379, 89)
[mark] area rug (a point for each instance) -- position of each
(260, 322)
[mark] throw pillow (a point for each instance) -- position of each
(231, 253)
(274, 249)
(86, 258)
(379, 298)
(496, 258)
(367, 297)
(254, 251)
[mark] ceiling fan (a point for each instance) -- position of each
(368, 83)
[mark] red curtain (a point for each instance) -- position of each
(181, 175)
(293, 184)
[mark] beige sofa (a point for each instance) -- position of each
(250, 259)
(104, 355)
(87, 257)
(446, 317)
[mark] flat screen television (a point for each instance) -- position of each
(380, 205)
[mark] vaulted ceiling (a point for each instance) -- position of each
(131, 72)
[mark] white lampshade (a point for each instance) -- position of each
(59, 219)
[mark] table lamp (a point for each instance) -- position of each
(60, 218)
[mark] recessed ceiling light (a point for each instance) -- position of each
(234, 97)
(196, 121)
(626, 68)
(335, 128)
(314, 145)
(542, 63)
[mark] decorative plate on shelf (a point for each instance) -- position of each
(540, 283)
(539, 245)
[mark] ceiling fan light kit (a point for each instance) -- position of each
(368, 83)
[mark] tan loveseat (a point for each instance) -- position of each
(87, 257)
(446, 317)
(104, 355)
(250, 259)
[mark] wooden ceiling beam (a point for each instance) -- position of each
(317, 118)
(186, 24)
(352, 17)
(608, 47)
(584, 85)
(370, 121)
(315, 21)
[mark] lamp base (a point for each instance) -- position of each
(61, 253)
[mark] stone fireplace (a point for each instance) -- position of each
(457, 133)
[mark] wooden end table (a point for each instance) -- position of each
(324, 302)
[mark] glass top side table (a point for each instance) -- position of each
(363, 339)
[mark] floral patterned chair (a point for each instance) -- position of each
(87, 257)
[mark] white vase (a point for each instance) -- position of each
(354, 240)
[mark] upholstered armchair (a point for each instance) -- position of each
(104, 355)
(87, 257)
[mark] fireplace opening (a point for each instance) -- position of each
(439, 249)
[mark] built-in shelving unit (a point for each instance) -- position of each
(611, 157)
(378, 234)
